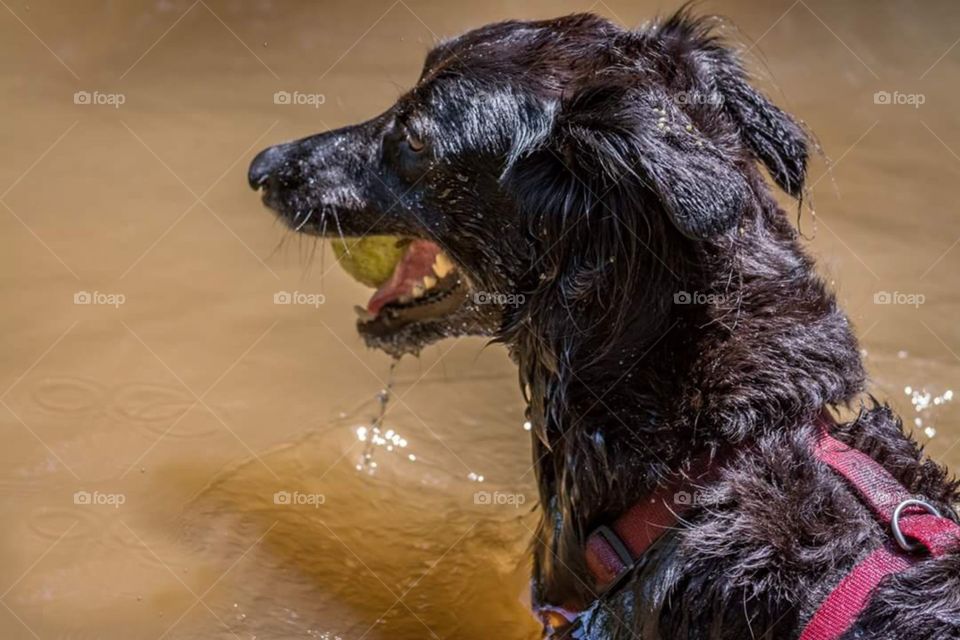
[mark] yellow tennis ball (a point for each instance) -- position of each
(370, 259)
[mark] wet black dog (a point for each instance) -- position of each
(591, 197)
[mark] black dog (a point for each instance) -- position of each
(591, 197)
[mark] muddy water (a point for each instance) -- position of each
(184, 458)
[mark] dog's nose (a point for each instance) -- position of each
(264, 164)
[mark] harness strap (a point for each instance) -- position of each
(893, 506)
(611, 551)
(918, 530)
(842, 607)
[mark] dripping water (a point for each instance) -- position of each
(367, 463)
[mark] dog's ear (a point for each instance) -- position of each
(772, 135)
(617, 139)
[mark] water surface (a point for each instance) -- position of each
(183, 399)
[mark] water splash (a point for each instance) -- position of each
(925, 404)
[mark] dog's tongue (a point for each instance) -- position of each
(416, 264)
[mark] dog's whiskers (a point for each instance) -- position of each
(280, 243)
(305, 220)
(323, 247)
(336, 219)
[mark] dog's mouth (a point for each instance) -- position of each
(425, 286)
(426, 297)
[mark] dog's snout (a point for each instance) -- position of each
(264, 164)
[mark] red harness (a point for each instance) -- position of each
(917, 531)
(907, 517)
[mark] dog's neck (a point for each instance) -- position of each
(756, 345)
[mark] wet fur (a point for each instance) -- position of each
(625, 385)
(599, 194)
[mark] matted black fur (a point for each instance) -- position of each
(612, 179)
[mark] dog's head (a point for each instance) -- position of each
(536, 163)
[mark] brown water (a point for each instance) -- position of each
(183, 398)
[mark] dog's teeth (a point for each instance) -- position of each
(429, 282)
(418, 290)
(442, 265)
(363, 314)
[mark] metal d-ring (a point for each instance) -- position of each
(895, 521)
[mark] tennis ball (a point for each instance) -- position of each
(370, 259)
